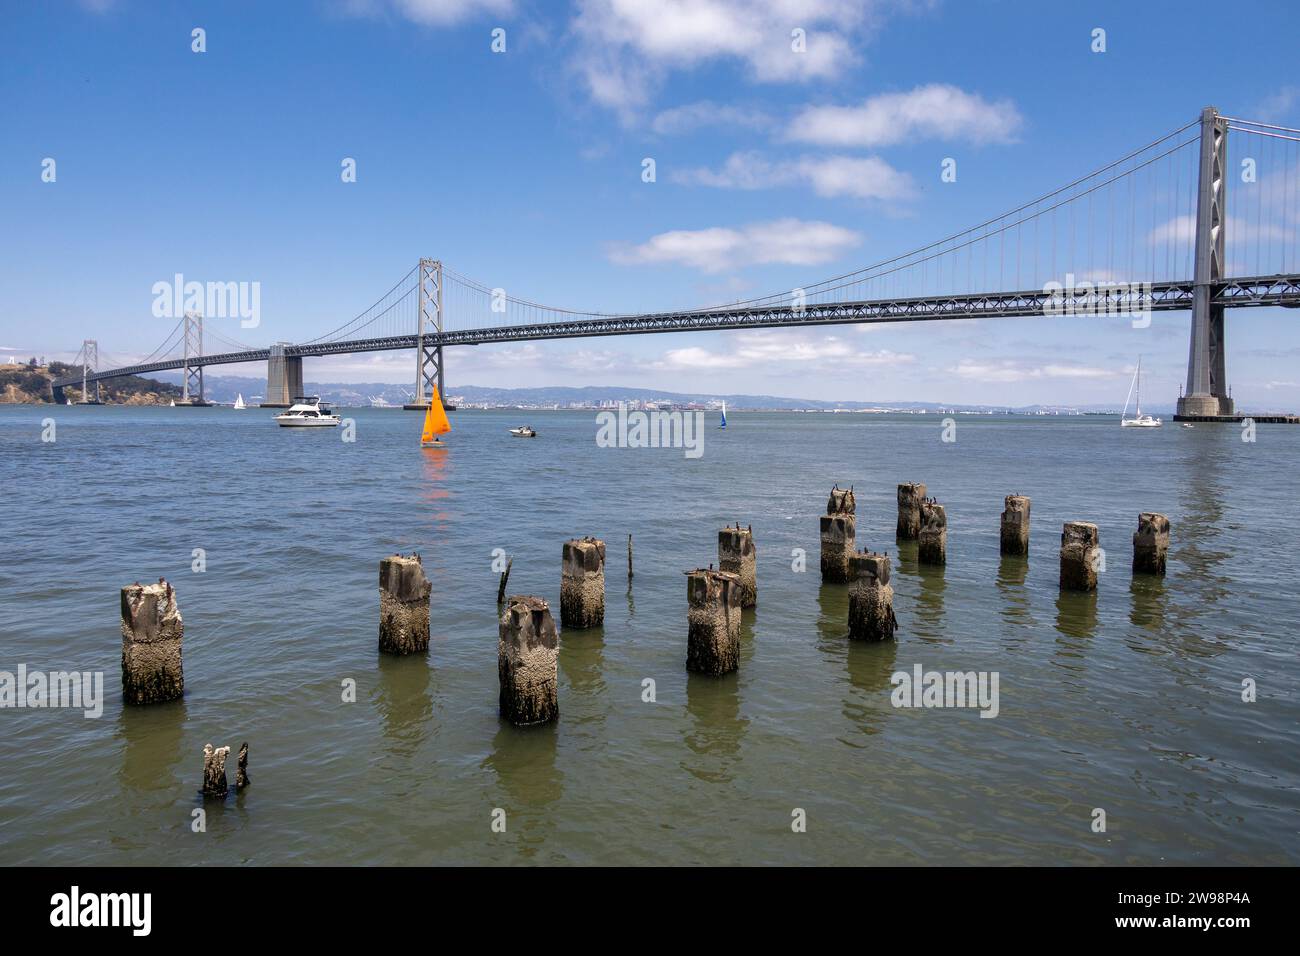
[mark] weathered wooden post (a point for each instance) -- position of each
(527, 655)
(932, 546)
(871, 598)
(152, 633)
(713, 619)
(1150, 543)
(582, 583)
(1015, 525)
(736, 555)
(241, 773)
(214, 771)
(910, 496)
(838, 534)
(403, 605)
(1080, 556)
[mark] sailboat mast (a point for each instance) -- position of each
(1138, 413)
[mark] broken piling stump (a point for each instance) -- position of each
(871, 598)
(527, 655)
(241, 772)
(713, 621)
(838, 535)
(1150, 543)
(736, 555)
(910, 496)
(152, 634)
(1080, 556)
(1015, 525)
(214, 771)
(932, 545)
(582, 583)
(403, 605)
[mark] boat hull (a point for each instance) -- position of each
(307, 423)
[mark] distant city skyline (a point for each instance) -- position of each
(525, 168)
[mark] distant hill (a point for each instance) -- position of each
(30, 385)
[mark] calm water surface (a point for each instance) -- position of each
(1128, 700)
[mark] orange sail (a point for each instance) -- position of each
(435, 419)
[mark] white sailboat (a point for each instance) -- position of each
(1138, 420)
(239, 401)
(723, 423)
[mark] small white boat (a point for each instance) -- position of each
(1188, 425)
(1138, 420)
(172, 403)
(307, 412)
(239, 401)
(67, 401)
(525, 431)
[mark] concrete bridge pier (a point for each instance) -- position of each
(932, 543)
(582, 583)
(1080, 556)
(736, 555)
(871, 599)
(713, 619)
(283, 378)
(910, 496)
(152, 633)
(1015, 525)
(838, 535)
(403, 605)
(1207, 380)
(527, 662)
(1150, 543)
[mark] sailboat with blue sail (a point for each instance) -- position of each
(723, 423)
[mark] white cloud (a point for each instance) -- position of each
(707, 114)
(429, 12)
(1182, 229)
(778, 347)
(860, 177)
(937, 111)
(1279, 105)
(1010, 370)
(628, 46)
(778, 242)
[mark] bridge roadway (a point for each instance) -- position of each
(1255, 291)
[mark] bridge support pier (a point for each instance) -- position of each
(1206, 395)
(839, 534)
(152, 635)
(428, 338)
(871, 598)
(283, 378)
(582, 583)
(403, 605)
(713, 618)
(527, 662)
(736, 554)
(910, 496)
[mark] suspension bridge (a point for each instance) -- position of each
(1204, 219)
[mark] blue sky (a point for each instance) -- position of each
(523, 169)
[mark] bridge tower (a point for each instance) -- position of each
(89, 366)
(428, 352)
(1207, 383)
(192, 386)
(283, 377)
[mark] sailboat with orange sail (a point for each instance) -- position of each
(435, 423)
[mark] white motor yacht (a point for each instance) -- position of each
(307, 412)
